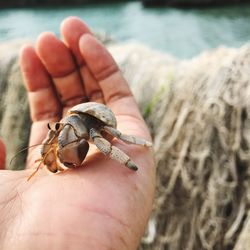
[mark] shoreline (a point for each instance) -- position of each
(182, 4)
(56, 3)
(192, 3)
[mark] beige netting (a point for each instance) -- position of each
(203, 157)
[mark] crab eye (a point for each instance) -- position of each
(54, 126)
(57, 126)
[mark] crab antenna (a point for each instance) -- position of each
(21, 150)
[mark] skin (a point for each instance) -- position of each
(102, 204)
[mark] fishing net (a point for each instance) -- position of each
(202, 140)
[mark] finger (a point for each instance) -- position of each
(92, 87)
(43, 102)
(2, 154)
(60, 63)
(72, 29)
(115, 89)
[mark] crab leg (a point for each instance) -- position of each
(127, 138)
(113, 152)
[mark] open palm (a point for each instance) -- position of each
(101, 205)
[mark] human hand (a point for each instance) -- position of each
(102, 204)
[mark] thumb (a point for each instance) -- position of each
(2, 154)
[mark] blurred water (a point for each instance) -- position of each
(183, 33)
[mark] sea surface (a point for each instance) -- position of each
(183, 33)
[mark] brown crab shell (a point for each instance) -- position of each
(98, 110)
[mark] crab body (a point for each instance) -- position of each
(67, 142)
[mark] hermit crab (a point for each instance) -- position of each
(67, 141)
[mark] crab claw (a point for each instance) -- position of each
(73, 154)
